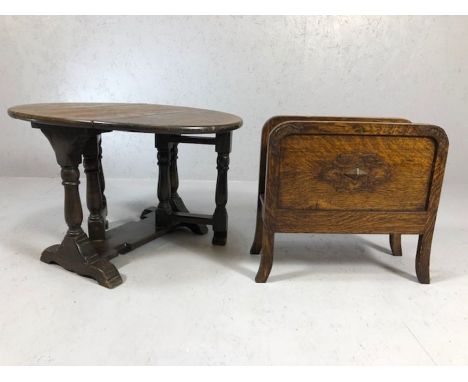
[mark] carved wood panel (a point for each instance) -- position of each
(355, 172)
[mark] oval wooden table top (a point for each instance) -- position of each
(137, 117)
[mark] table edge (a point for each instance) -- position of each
(109, 126)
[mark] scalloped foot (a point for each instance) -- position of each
(78, 256)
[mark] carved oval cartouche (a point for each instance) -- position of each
(355, 172)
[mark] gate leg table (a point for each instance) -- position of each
(74, 132)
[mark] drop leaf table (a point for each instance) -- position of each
(74, 132)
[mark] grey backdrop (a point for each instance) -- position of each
(256, 67)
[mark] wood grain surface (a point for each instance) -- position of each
(145, 118)
(322, 172)
(350, 176)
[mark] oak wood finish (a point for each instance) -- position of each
(350, 176)
(267, 128)
(95, 199)
(335, 187)
(163, 211)
(74, 131)
(220, 217)
(177, 204)
(142, 118)
(395, 244)
(76, 252)
(171, 207)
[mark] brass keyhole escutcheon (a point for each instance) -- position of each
(356, 173)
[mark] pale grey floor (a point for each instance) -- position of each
(330, 299)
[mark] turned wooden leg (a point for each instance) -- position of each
(257, 242)
(102, 182)
(94, 195)
(220, 216)
(75, 253)
(163, 210)
(266, 261)
(176, 201)
(395, 244)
